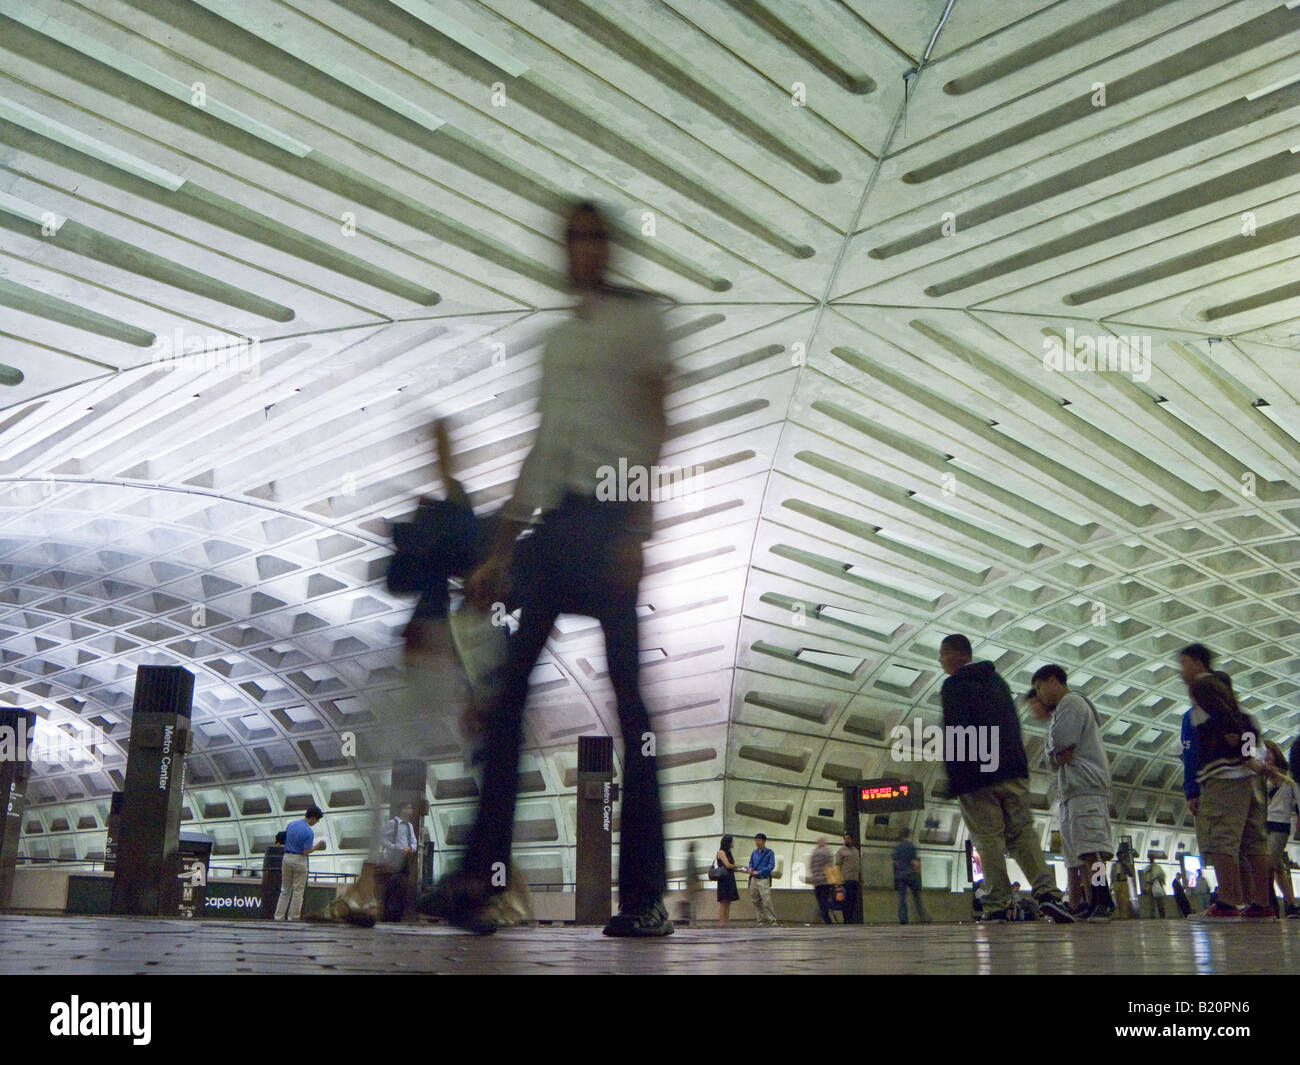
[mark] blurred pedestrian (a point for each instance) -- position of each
(907, 876)
(822, 888)
(602, 409)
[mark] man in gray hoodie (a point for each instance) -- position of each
(1074, 747)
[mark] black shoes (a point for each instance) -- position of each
(458, 906)
(645, 920)
(1054, 909)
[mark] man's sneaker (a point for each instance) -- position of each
(647, 919)
(1293, 911)
(1101, 911)
(1259, 913)
(996, 917)
(1218, 912)
(1054, 909)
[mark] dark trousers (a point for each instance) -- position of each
(393, 888)
(904, 884)
(824, 893)
(572, 565)
(852, 915)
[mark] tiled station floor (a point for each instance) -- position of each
(112, 945)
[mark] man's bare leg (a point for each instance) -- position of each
(1076, 877)
(1255, 868)
(1228, 873)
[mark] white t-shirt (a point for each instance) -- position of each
(600, 403)
(1281, 804)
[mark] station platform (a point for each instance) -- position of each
(126, 945)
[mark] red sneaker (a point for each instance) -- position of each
(1259, 913)
(1219, 912)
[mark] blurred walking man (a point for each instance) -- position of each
(602, 409)
(822, 888)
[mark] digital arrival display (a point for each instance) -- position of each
(887, 796)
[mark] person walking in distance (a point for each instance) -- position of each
(907, 876)
(1120, 893)
(1153, 883)
(1075, 748)
(817, 866)
(299, 841)
(602, 410)
(691, 907)
(849, 859)
(988, 774)
(1180, 895)
(1200, 892)
(727, 890)
(762, 863)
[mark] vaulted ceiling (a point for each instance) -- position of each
(874, 219)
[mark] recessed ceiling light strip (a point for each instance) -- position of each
(254, 21)
(462, 35)
(20, 11)
(23, 116)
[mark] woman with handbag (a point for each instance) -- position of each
(724, 872)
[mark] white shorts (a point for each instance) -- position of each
(1085, 828)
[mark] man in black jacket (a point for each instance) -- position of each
(988, 774)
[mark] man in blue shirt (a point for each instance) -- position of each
(762, 863)
(299, 841)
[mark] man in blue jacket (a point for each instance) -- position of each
(988, 774)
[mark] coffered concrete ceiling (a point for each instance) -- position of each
(868, 265)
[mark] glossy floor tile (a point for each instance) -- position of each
(110, 945)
